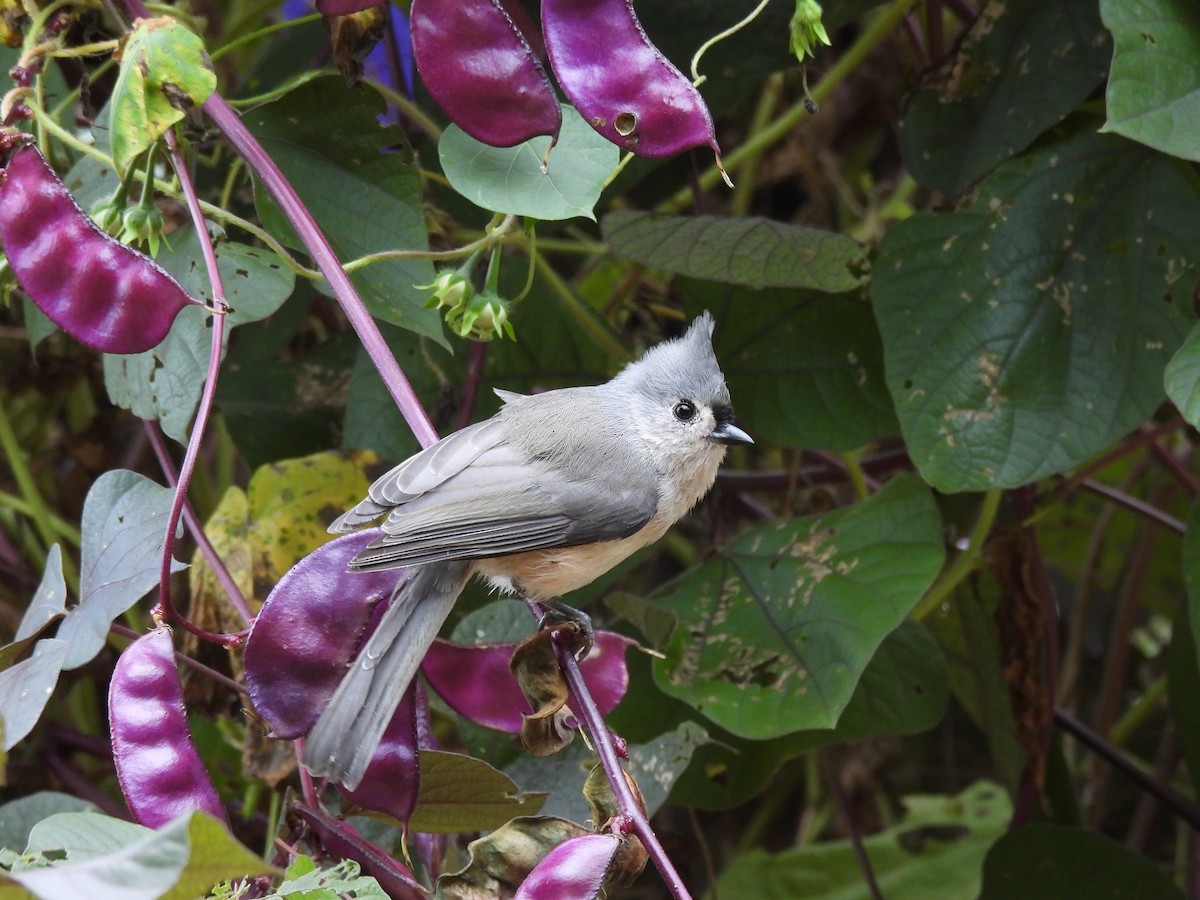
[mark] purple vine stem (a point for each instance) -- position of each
(259, 162)
(196, 527)
(204, 409)
(602, 739)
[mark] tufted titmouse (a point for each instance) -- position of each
(542, 498)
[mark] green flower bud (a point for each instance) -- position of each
(142, 224)
(107, 215)
(450, 291)
(806, 29)
(484, 317)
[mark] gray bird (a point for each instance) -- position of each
(541, 499)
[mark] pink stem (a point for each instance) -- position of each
(204, 409)
(306, 228)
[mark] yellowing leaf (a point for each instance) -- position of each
(165, 71)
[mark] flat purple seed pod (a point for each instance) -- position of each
(620, 82)
(478, 685)
(101, 292)
(574, 870)
(158, 767)
(393, 779)
(479, 67)
(309, 629)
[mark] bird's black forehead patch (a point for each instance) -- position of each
(723, 412)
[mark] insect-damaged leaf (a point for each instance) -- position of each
(776, 632)
(1028, 330)
(164, 72)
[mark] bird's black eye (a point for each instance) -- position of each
(685, 410)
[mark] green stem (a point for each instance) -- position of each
(492, 238)
(261, 33)
(62, 528)
(1145, 706)
(38, 511)
(747, 174)
(876, 33)
(966, 562)
(603, 338)
(858, 478)
(409, 109)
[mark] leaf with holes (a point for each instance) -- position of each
(1028, 330)
(776, 631)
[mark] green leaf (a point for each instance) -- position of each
(745, 250)
(903, 691)
(511, 179)
(124, 527)
(107, 859)
(164, 72)
(165, 383)
(50, 601)
(365, 197)
(460, 793)
(1028, 330)
(804, 369)
(26, 688)
(1182, 378)
(1049, 862)
(1021, 67)
(933, 854)
(1154, 87)
(777, 630)
(18, 817)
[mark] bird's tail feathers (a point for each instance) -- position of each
(347, 733)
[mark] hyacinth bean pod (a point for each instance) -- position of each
(481, 69)
(620, 82)
(574, 870)
(101, 292)
(160, 771)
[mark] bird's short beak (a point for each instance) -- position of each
(728, 433)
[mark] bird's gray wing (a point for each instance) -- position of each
(504, 503)
(421, 473)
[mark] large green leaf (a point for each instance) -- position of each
(935, 853)
(365, 197)
(512, 180)
(903, 691)
(1154, 87)
(165, 383)
(1028, 330)
(1050, 862)
(775, 632)
(746, 250)
(804, 369)
(1022, 66)
(164, 72)
(461, 793)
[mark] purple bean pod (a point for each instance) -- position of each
(101, 292)
(481, 69)
(160, 771)
(574, 870)
(620, 82)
